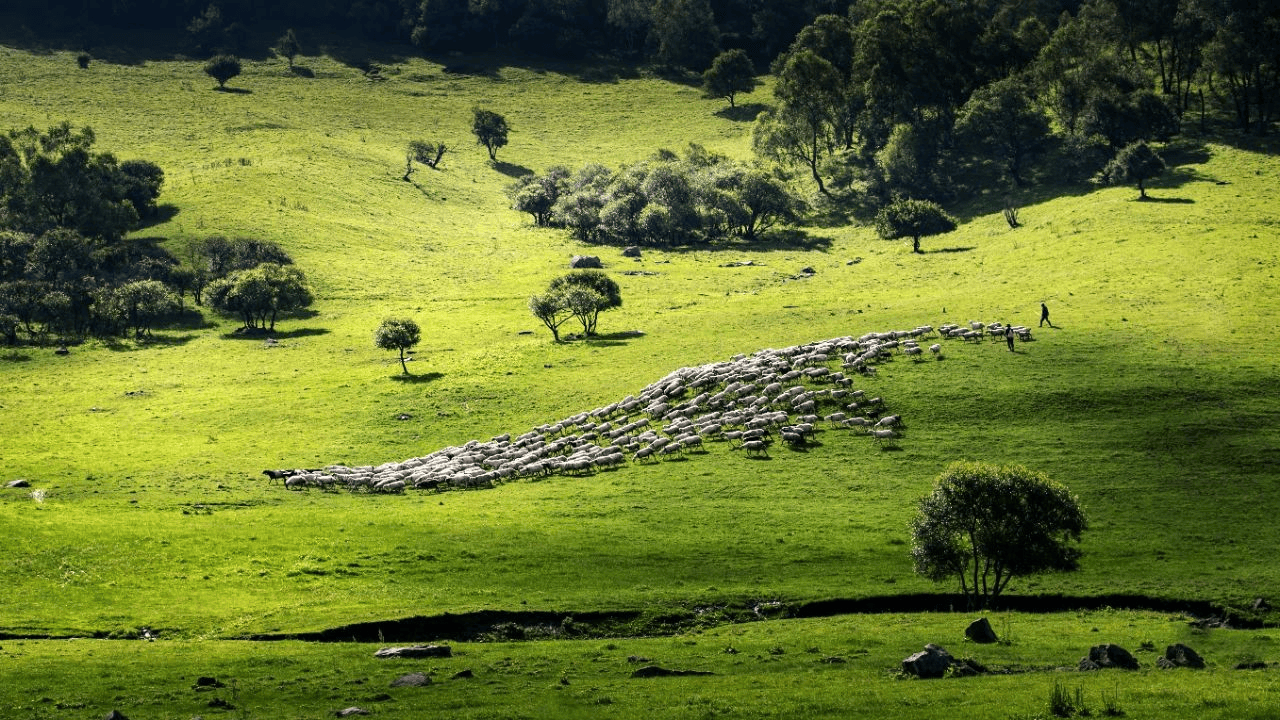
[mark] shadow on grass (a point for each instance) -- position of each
(302, 71)
(233, 91)
(970, 248)
(412, 379)
(14, 356)
(163, 214)
(242, 333)
(742, 113)
(510, 170)
(1168, 200)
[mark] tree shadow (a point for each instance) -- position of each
(969, 248)
(243, 333)
(412, 379)
(15, 356)
(163, 214)
(746, 112)
(233, 90)
(511, 170)
(303, 71)
(1169, 200)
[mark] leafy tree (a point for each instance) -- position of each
(142, 185)
(537, 194)
(803, 129)
(914, 219)
(552, 309)
(260, 294)
(986, 525)
(135, 306)
(490, 130)
(288, 47)
(686, 33)
(732, 72)
(1136, 163)
(206, 29)
(604, 295)
(222, 68)
(427, 153)
(1002, 119)
(397, 334)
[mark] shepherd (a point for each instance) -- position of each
(1008, 336)
(1044, 315)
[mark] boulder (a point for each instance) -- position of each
(416, 651)
(649, 671)
(980, 631)
(464, 674)
(18, 484)
(631, 251)
(808, 271)
(932, 662)
(581, 262)
(115, 715)
(1108, 656)
(348, 712)
(412, 680)
(1180, 655)
(208, 682)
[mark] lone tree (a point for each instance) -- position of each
(552, 309)
(490, 130)
(222, 68)
(987, 524)
(732, 72)
(1136, 163)
(398, 334)
(427, 153)
(602, 293)
(288, 47)
(914, 219)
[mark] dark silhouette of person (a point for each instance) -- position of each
(1008, 336)
(1044, 315)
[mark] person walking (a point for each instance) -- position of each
(1008, 336)
(1044, 315)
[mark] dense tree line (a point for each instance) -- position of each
(665, 200)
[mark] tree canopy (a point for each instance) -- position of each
(582, 294)
(731, 73)
(985, 525)
(490, 130)
(914, 219)
(1136, 163)
(261, 294)
(397, 334)
(222, 68)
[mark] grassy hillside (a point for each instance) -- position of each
(1153, 400)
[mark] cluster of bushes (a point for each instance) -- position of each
(665, 200)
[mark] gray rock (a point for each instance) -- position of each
(932, 662)
(415, 651)
(980, 631)
(580, 262)
(1180, 655)
(19, 484)
(412, 680)
(115, 715)
(348, 712)
(1108, 656)
(464, 674)
(631, 251)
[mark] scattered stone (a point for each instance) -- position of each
(833, 660)
(525, 332)
(220, 703)
(649, 671)
(637, 659)
(980, 631)
(932, 662)
(348, 712)
(740, 263)
(631, 251)
(18, 484)
(404, 416)
(115, 715)
(581, 262)
(412, 680)
(208, 682)
(464, 674)
(62, 350)
(731, 650)
(1251, 665)
(809, 270)
(1180, 655)
(416, 651)
(1108, 656)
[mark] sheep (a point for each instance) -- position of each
(756, 447)
(835, 417)
(856, 422)
(936, 349)
(889, 421)
(294, 482)
(274, 475)
(882, 435)
(792, 438)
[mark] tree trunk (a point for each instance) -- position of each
(915, 244)
(403, 367)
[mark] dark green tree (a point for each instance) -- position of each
(1003, 120)
(685, 32)
(287, 46)
(207, 33)
(732, 72)
(986, 525)
(222, 68)
(397, 334)
(142, 181)
(259, 295)
(802, 130)
(914, 219)
(605, 295)
(552, 309)
(491, 130)
(538, 194)
(426, 152)
(1136, 163)
(135, 306)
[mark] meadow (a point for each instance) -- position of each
(1154, 400)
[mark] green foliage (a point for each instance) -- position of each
(135, 306)
(686, 33)
(914, 219)
(259, 295)
(538, 194)
(985, 525)
(585, 294)
(1136, 163)
(287, 46)
(730, 74)
(397, 334)
(490, 129)
(426, 152)
(222, 68)
(1003, 120)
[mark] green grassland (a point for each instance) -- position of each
(1154, 401)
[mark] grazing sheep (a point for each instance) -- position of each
(882, 435)
(756, 447)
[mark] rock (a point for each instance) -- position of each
(649, 671)
(220, 703)
(637, 659)
(208, 682)
(580, 262)
(18, 484)
(464, 675)
(809, 271)
(115, 715)
(62, 350)
(412, 680)
(980, 631)
(1261, 604)
(1165, 663)
(1180, 655)
(416, 651)
(631, 251)
(932, 662)
(348, 712)
(1108, 656)
(1251, 665)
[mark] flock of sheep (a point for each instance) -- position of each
(747, 403)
